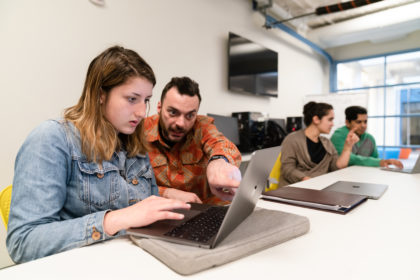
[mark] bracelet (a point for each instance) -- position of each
(219, 157)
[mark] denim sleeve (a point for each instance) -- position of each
(35, 227)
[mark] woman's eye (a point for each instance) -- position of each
(132, 99)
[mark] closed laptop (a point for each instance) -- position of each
(371, 190)
(319, 199)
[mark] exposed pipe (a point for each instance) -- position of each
(270, 22)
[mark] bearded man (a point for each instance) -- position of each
(191, 159)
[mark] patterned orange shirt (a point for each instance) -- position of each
(183, 166)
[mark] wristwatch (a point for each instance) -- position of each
(219, 157)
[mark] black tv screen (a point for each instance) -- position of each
(252, 67)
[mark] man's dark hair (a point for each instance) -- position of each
(352, 112)
(184, 85)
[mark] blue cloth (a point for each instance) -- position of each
(59, 199)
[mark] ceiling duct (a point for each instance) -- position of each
(377, 22)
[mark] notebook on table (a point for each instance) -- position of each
(414, 169)
(318, 199)
(371, 190)
(196, 230)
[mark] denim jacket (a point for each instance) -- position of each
(59, 199)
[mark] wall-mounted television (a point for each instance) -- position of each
(252, 67)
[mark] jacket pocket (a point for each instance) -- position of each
(140, 178)
(99, 186)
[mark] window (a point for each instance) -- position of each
(392, 83)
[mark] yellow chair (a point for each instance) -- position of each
(274, 175)
(5, 198)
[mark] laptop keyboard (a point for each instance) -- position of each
(202, 227)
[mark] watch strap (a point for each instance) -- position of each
(218, 157)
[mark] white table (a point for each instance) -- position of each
(377, 240)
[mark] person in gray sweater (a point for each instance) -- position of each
(306, 154)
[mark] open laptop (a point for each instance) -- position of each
(247, 195)
(371, 190)
(411, 170)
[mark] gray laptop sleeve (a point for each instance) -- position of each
(262, 229)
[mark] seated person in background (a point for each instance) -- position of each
(306, 154)
(86, 178)
(192, 160)
(363, 152)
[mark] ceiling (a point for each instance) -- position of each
(377, 22)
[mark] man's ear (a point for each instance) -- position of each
(159, 107)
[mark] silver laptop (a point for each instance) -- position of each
(190, 230)
(371, 190)
(411, 170)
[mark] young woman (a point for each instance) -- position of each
(86, 178)
(305, 153)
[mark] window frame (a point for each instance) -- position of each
(385, 87)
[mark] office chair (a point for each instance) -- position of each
(274, 175)
(5, 199)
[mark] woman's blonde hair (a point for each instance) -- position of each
(111, 68)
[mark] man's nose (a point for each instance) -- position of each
(180, 121)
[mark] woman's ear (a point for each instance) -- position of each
(316, 120)
(102, 98)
